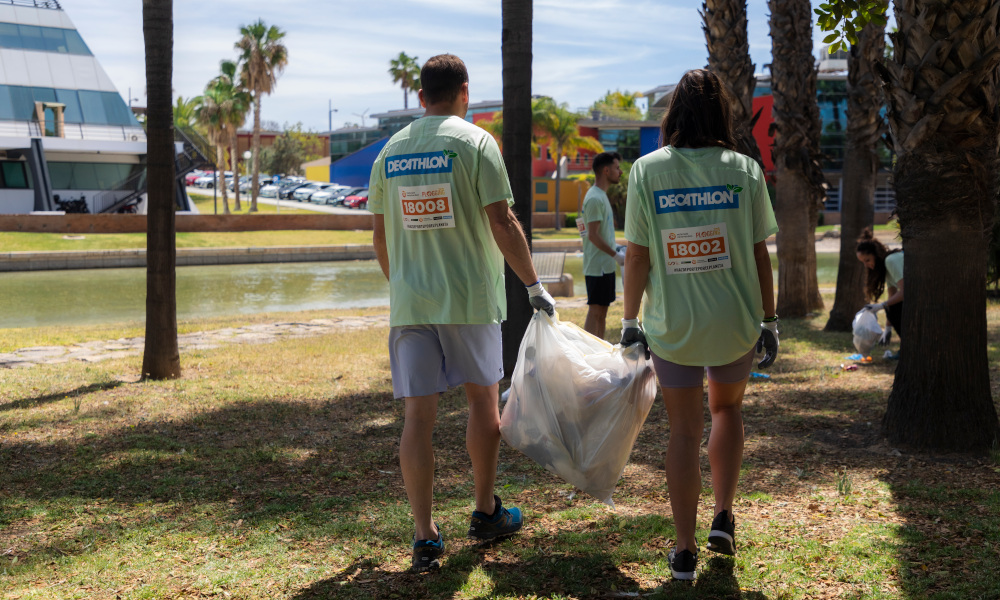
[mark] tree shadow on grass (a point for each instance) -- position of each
(47, 398)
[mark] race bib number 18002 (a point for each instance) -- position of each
(427, 206)
(696, 249)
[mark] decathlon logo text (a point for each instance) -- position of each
(691, 199)
(418, 164)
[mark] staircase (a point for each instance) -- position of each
(190, 158)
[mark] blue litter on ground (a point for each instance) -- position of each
(855, 357)
(756, 375)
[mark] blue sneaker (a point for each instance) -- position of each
(502, 523)
(427, 554)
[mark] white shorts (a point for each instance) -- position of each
(428, 359)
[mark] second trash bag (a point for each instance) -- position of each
(576, 403)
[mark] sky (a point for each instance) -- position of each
(339, 50)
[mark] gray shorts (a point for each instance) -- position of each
(428, 359)
(673, 375)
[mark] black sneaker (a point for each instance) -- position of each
(721, 539)
(682, 564)
(426, 554)
(503, 522)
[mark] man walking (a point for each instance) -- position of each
(443, 227)
(599, 250)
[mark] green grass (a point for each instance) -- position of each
(270, 471)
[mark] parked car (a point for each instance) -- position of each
(358, 200)
(208, 180)
(338, 200)
(190, 178)
(326, 196)
(270, 190)
(305, 192)
(287, 189)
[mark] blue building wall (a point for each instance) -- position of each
(649, 139)
(355, 169)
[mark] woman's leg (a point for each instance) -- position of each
(687, 423)
(725, 441)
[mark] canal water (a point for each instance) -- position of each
(98, 296)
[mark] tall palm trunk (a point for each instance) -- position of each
(725, 26)
(865, 127)
(234, 161)
(160, 357)
(255, 176)
(942, 88)
(406, 98)
(515, 50)
(799, 177)
(220, 175)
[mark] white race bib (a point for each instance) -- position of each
(696, 249)
(427, 206)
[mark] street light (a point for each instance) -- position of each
(131, 99)
(329, 113)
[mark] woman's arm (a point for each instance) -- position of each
(895, 294)
(766, 277)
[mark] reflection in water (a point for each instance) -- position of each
(95, 296)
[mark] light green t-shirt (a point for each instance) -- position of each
(893, 269)
(597, 207)
(431, 182)
(699, 211)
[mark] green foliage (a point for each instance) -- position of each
(290, 150)
(619, 105)
(845, 18)
(405, 70)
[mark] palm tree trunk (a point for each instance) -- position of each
(234, 161)
(558, 157)
(160, 357)
(515, 50)
(799, 177)
(857, 208)
(725, 26)
(255, 176)
(406, 99)
(220, 175)
(943, 89)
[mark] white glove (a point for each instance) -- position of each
(886, 335)
(877, 306)
(541, 299)
(620, 257)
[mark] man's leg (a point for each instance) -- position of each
(416, 461)
(687, 423)
(596, 320)
(482, 439)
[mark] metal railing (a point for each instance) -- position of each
(75, 131)
(53, 4)
(121, 193)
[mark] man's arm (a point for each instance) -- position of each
(510, 239)
(378, 240)
(594, 236)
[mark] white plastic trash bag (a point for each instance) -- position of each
(577, 403)
(866, 331)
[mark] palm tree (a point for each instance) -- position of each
(799, 182)
(725, 26)
(515, 49)
(262, 59)
(557, 124)
(215, 112)
(184, 112)
(406, 72)
(235, 117)
(865, 127)
(160, 357)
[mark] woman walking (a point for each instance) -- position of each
(697, 217)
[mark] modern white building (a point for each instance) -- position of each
(66, 134)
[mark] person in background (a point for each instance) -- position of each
(696, 221)
(600, 252)
(442, 229)
(885, 272)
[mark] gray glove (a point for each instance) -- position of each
(875, 307)
(632, 334)
(886, 336)
(540, 299)
(768, 344)
(620, 255)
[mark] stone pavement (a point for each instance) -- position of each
(263, 333)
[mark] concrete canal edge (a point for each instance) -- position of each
(105, 259)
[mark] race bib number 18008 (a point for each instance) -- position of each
(696, 249)
(427, 206)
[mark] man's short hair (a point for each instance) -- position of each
(441, 78)
(604, 159)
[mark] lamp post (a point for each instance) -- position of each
(329, 113)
